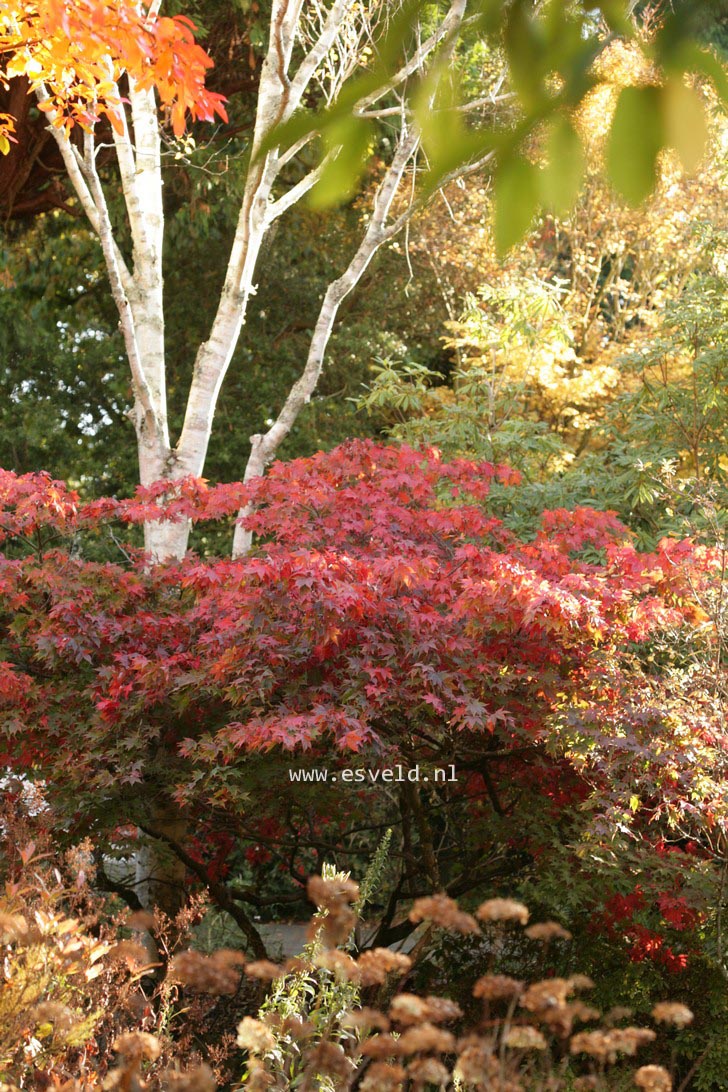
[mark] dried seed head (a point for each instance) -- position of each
(502, 910)
(525, 1038)
(12, 927)
(377, 963)
(653, 1078)
(672, 1012)
(476, 1063)
(443, 911)
(329, 893)
(426, 1038)
(366, 1018)
(383, 1077)
(264, 970)
(254, 1036)
(497, 987)
(135, 1045)
(217, 974)
(199, 1079)
(546, 931)
(548, 994)
(339, 963)
(427, 1071)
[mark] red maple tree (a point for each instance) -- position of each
(385, 618)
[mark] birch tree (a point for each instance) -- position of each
(314, 50)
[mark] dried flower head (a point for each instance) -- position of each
(407, 1009)
(380, 1046)
(546, 931)
(333, 892)
(129, 952)
(653, 1078)
(329, 1058)
(333, 926)
(497, 987)
(476, 1062)
(426, 1038)
(263, 969)
(217, 974)
(441, 1010)
(141, 920)
(199, 1079)
(609, 1044)
(295, 1027)
(427, 1071)
(254, 1036)
(365, 1018)
(377, 963)
(525, 1038)
(672, 1012)
(383, 1077)
(502, 910)
(445, 912)
(135, 1045)
(548, 994)
(258, 1078)
(339, 963)
(581, 982)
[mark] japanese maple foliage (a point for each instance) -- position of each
(384, 616)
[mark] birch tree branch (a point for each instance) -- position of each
(264, 446)
(316, 54)
(296, 193)
(73, 163)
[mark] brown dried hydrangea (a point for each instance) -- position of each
(264, 970)
(524, 1037)
(548, 994)
(329, 1058)
(546, 931)
(135, 1045)
(12, 927)
(377, 963)
(254, 1036)
(653, 1078)
(383, 1077)
(199, 1079)
(326, 894)
(333, 926)
(426, 1038)
(52, 1012)
(476, 1062)
(445, 912)
(427, 1071)
(366, 1019)
(502, 910)
(129, 952)
(408, 1008)
(609, 1044)
(672, 1012)
(497, 987)
(217, 974)
(339, 963)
